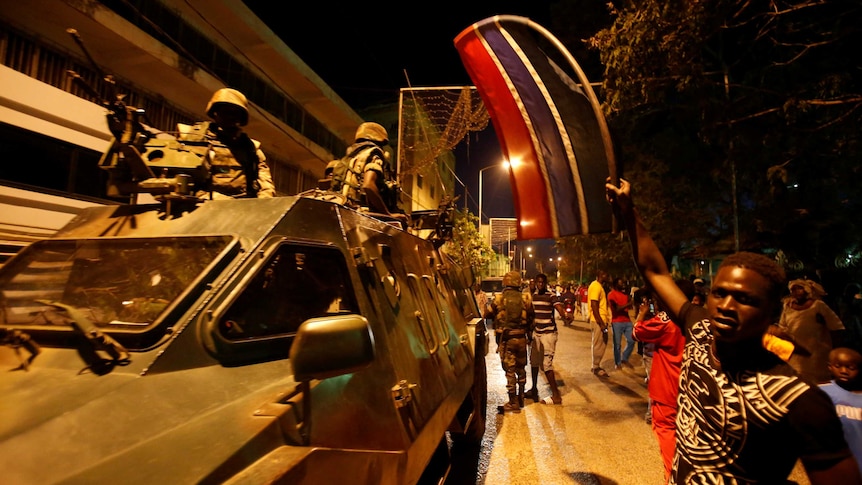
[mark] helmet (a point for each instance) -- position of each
(372, 132)
(229, 96)
(513, 279)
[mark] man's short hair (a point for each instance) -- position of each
(541, 276)
(852, 353)
(764, 266)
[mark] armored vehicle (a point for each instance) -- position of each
(282, 340)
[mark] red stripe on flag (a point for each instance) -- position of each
(551, 128)
(528, 183)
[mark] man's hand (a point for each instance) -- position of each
(621, 196)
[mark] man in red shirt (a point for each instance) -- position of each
(621, 323)
(583, 298)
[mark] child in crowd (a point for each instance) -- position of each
(846, 392)
(655, 328)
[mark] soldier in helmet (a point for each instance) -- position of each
(237, 165)
(368, 177)
(513, 312)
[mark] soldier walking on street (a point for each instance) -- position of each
(513, 312)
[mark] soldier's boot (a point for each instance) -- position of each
(521, 395)
(512, 406)
(533, 393)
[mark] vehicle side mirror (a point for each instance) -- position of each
(331, 346)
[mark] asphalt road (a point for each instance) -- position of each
(598, 436)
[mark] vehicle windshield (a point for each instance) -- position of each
(492, 285)
(117, 283)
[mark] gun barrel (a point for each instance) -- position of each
(78, 40)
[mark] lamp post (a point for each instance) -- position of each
(503, 164)
(480, 196)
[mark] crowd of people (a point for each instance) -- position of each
(746, 375)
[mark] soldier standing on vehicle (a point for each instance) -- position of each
(364, 175)
(513, 315)
(238, 167)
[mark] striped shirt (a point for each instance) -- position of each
(543, 305)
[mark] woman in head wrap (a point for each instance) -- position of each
(813, 326)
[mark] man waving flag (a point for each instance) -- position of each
(550, 128)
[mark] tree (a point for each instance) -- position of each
(610, 252)
(467, 247)
(729, 110)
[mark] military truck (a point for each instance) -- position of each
(283, 340)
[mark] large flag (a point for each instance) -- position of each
(550, 128)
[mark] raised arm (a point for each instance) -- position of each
(647, 256)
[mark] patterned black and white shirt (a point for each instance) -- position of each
(750, 426)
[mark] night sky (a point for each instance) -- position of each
(366, 51)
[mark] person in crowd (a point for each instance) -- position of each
(744, 415)
(813, 326)
(699, 299)
(633, 308)
(368, 179)
(569, 300)
(700, 286)
(481, 301)
(584, 301)
(600, 319)
(621, 323)
(544, 341)
(647, 355)
(238, 167)
(513, 315)
(845, 390)
(850, 313)
(665, 338)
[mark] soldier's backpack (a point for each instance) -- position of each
(336, 173)
(341, 173)
(511, 314)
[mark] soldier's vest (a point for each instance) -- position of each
(512, 312)
(233, 170)
(347, 174)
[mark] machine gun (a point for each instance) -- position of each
(141, 159)
(439, 221)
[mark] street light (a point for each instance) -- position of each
(503, 164)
